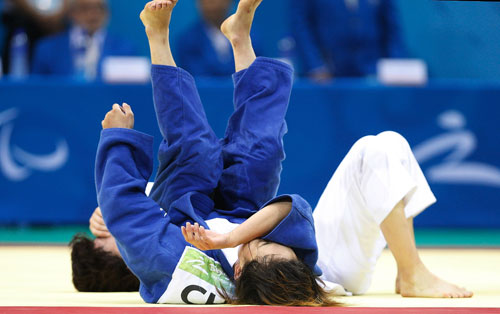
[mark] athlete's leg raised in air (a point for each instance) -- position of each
(190, 155)
(252, 146)
(237, 30)
(156, 19)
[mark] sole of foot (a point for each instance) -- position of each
(237, 26)
(156, 16)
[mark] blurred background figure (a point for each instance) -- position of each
(24, 23)
(202, 49)
(344, 38)
(79, 51)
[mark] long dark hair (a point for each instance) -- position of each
(271, 281)
(95, 270)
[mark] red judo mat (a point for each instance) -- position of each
(244, 310)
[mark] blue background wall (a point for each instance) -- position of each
(323, 121)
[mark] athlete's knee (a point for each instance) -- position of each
(362, 150)
(387, 145)
(393, 138)
(376, 149)
(363, 142)
(379, 147)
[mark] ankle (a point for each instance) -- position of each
(241, 42)
(411, 270)
(155, 35)
(159, 43)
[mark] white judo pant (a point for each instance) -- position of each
(377, 173)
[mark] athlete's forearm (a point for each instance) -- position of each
(260, 224)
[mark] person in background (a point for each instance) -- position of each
(25, 22)
(79, 51)
(345, 38)
(202, 49)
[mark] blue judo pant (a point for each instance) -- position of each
(239, 172)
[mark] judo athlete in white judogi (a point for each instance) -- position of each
(376, 191)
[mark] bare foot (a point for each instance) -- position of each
(237, 27)
(156, 16)
(422, 283)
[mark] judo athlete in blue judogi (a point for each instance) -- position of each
(211, 186)
(199, 179)
(248, 246)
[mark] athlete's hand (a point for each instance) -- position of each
(97, 225)
(119, 117)
(205, 239)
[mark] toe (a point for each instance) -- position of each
(447, 295)
(466, 293)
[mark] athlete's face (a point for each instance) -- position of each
(257, 249)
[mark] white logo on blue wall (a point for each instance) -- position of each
(17, 164)
(458, 143)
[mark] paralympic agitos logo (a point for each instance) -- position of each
(17, 164)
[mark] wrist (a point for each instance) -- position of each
(232, 240)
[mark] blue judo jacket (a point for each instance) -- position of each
(199, 178)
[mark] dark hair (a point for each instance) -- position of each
(95, 270)
(271, 281)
